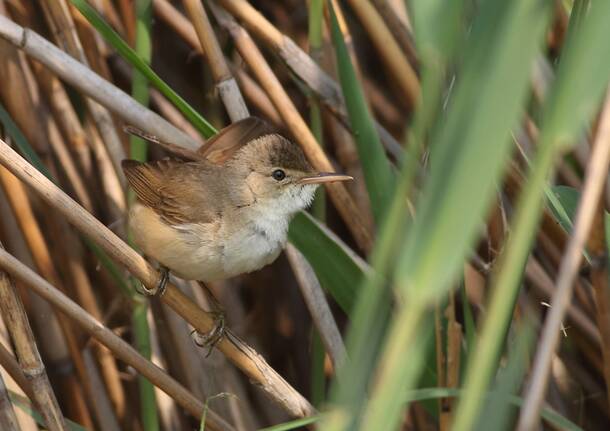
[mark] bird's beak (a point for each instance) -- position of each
(324, 177)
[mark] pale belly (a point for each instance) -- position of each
(196, 252)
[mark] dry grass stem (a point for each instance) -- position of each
(295, 123)
(120, 348)
(318, 306)
(100, 403)
(225, 83)
(91, 84)
(243, 356)
(60, 21)
(399, 30)
(393, 57)
(43, 260)
(326, 89)
(11, 366)
(595, 178)
(543, 285)
(257, 97)
(8, 420)
(181, 25)
(27, 352)
(601, 286)
(250, 89)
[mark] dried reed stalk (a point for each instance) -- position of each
(257, 97)
(595, 178)
(317, 305)
(391, 54)
(91, 84)
(398, 29)
(11, 366)
(238, 352)
(72, 251)
(105, 414)
(36, 243)
(118, 346)
(8, 420)
(601, 287)
(326, 89)
(62, 26)
(29, 358)
(225, 83)
(251, 90)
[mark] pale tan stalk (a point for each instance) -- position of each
(100, 402)
(238, 352)
(113, 193)
(74, 133)
(27, 352)
(398, 29)
(257, 97)
(225, 83)
(119, 347)
(67, 120)
(159, 101)
(391, 54)
(173, 115)
(595, 178)
(127, 11)
(37, 245)
(542, 283)
(601, 287)
(178, 22)
(251, 90)
(73, 251)
(23, 99)
(326, 89)
(297, 126)
(8, 419)
(92, 84)
(11, 366)
(61, 23)
(318, 306)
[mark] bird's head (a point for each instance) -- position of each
(277, 173)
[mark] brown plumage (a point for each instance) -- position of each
(227, 211)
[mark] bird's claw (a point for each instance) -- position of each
(159, 289)
(213, 337)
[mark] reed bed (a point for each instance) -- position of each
(460, 282)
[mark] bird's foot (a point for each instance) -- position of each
(159, 289)
(212, 338)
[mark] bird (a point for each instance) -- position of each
(225, 212)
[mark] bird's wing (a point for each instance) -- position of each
(174, 189)
(182, 152)
(225, 143)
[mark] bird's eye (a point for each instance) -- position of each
(278, 175)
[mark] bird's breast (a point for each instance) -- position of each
(254, 245)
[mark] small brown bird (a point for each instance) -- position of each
(226, 213)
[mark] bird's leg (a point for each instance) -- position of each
(159, 289)
(211, 338)
(215, 304)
